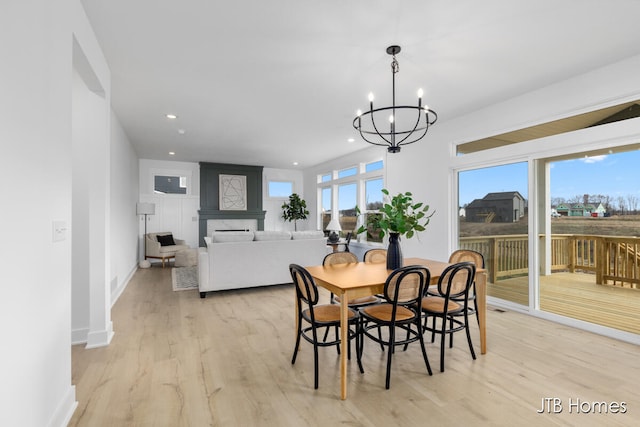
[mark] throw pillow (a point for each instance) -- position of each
(166, 240)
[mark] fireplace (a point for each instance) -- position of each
(215, 211)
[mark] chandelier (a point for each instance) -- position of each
(413, 121)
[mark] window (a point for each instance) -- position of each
(359, 186)
(280, 189)
(347, 172)
(374, 166)
(325, 212)
(170, 184)
(347, 201)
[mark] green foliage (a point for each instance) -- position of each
(294, 210)
(401, 216)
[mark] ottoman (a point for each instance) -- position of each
(186, 258)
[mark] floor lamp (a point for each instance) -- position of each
(145, 209)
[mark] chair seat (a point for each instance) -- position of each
(328, 313)
(436, 305)
(384, 311)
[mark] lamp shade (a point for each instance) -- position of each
(334, 225)
(146, 208)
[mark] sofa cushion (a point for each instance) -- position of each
(166, 240)
(308, 234)
(231, 236)
(271, 235)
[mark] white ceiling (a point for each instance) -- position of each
(272, 82)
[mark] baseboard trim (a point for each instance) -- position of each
(79, 336)
(120, 289)
(65, 409)
(100, 338)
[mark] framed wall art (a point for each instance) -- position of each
(233, 192)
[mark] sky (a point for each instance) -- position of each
(613, 174)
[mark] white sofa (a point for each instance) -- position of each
(244, 259)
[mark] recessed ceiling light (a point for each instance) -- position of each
(181, 131)
(171, 116)
(171, 153)
(350, 140)
(295, 163)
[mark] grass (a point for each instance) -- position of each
(627, 225)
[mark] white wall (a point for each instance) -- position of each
(124, 221)
(177, 213)
(35, 300)
(273, 206)
(91, 201)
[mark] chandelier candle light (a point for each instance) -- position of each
(416, 118)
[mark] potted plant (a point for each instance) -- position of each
(294, 210)
(399, 216)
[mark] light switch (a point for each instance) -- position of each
(59, 231)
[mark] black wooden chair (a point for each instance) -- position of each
(317, 317)
(403, 291)
(450, 305)
(375, 256)
(468, 255)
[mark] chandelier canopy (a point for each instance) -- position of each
(407, 123)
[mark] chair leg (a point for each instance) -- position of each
(473, 353)
(424, 350)
(442, 342)
(295, 349)
(315, 364)
(392, 336)
(451, 335)
(475, 305)
(380, 338)
(359, 339)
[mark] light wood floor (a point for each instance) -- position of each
(178, 360)
(578, 296)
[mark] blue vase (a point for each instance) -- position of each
(394, 253)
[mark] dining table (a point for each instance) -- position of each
(355, 280)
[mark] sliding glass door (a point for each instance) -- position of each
(590, 237)
(493, 220)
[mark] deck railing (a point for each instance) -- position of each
(614, 260)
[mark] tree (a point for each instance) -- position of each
(632, 203)
(621, 204)
(294, 210)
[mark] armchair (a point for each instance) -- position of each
(154, 249)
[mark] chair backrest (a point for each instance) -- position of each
(375, 256)
(339, 258)
(467, 255)
(306, 289)
(456, 280)
(406, 285)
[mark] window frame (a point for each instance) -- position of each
(359, 178)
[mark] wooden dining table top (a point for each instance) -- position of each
(344, 277)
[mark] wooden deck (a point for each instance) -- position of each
(577, 295)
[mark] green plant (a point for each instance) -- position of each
(401, 215)
(294, 210)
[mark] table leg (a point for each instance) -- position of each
(481, 296)
(344, 343)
